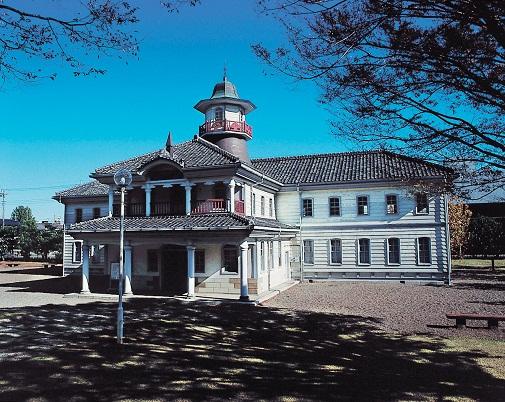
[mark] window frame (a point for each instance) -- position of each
(271, 207)
(367, 205)
(217, 111)
(74, 251)
(417, 210)
(369, 251)
(339, 205)
(198, 258)
(397, 204)
(311, 241)
(224, 250)
(330, 251)
(262, 205)
(388, 248)
(418, 251)
(311, 207)
(270, 248)
(253, 206)
(279, 251)
(95, 210)
(149, 253)
(262, 256)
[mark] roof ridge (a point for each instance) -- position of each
(318, 155)
(127, 160)
(214, 147)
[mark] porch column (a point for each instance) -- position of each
(85, 268)
(191, 270)
(231, 186)
(128, 270)
(147, 189)
(187, 187)
(244, 288)
(111, 200)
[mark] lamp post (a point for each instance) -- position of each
(123, 179)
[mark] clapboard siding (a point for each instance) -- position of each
(87, 210)
(71, 267)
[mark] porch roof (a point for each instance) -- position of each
(219, 221)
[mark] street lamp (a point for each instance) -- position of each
(123, 179)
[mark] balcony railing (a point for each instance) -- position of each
(171, 209)
(226, 125)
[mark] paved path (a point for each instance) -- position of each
(19, 289)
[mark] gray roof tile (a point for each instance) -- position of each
(191, 222)
(195, 153)
(91, 189)
(347, 167)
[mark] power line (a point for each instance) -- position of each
(41, 188)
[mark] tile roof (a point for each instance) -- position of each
(195, 153)
(347, 167)
(221, 221)
(91, 189)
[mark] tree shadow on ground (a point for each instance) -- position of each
(50, 271)
(55, 285)
(197, 351)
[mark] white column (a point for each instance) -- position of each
(188, 198)
(191, 270)
(85, 268)
(128, 270)
(111, 200)
(231, 186)
(147, 189)
(244, 288)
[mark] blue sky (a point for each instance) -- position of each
(54, 133)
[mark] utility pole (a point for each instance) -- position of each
(3, 194)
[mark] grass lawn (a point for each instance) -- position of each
(236, 352)
(477, 263)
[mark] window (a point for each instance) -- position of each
(262, 205)
(362, 202)
(391, 204)
(77, 252)
(152, 260)
(364, 251)
(422, 203)
(96, 213)
(279, 255)
(308, 251)
(97, 254)
(270, 255)
(200, 261)
(424, 250)
(78, 215)
(218, 114)
(335, 251)
(307, 209)
(271, 207)
(393, 251)
(230, 259)
(334, 203)
(254, 204)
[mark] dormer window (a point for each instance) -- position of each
(422, 205)
(219, 114)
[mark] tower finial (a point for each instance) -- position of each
(225, 72)
(168, 145)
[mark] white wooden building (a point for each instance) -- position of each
(202, 217)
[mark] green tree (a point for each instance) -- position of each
(8, 241)
(50, 240)
(28, 235)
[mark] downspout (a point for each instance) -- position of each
(300, 221)
(63, 249)
(448, 240)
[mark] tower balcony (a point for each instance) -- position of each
(224, 126)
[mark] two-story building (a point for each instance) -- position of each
(201, 216)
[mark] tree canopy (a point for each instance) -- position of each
(423, 77)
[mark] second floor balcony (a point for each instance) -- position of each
(213, 205)
(216, 126)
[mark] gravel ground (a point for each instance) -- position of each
(406, 308)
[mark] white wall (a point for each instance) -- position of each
(87, 210)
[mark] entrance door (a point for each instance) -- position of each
(174, 268)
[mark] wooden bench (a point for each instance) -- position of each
(12, 265)
(492, 319)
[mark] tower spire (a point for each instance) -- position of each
(168, 145)
(225, 73)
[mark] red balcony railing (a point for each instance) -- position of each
(226, 125)
(239, 207)
(208, 206)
